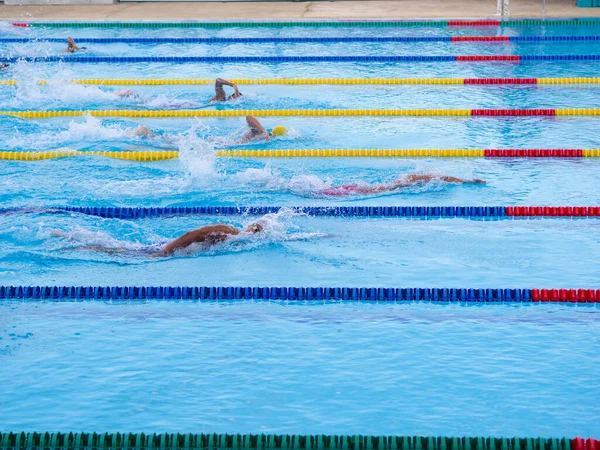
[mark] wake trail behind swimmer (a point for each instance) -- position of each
(209, 236)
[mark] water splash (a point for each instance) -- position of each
(278, 228)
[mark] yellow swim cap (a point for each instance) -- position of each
(279, 130)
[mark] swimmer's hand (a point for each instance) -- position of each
(478, 181)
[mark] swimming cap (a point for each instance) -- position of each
(278, 131)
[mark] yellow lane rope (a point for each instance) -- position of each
(291, 153)
(167, 113)
(332, 81)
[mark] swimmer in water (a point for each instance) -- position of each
(405, 181)
(126, 93)
(72, 46)
(209, 236)
(220, 95)
(258, 132)
(142, 132)
(4, 66)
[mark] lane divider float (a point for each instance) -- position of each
(332, 81)
(183, 113)
(160, 155)
(212, 293)
(295, 59)
(592, 21)
(414, 212)
(291, 40)
(411, 153)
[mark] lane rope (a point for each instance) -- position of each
(313, 153)
(321, 23)
(160, 155)
(211, 293)
(412, 153)
(417, 212)
(295, 59)
(291, 40)
(182, 113)
(332, 81)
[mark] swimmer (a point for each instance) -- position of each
(72, 46)
(126, 93)
(208, 235)
(220, 95)
(142, 132)
(258, 132)
(4, 66)
(400, 183)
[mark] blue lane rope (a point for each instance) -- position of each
(323, 211)
(127, 293)
(292, 59)
(259, 40)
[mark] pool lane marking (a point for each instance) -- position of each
(316, 23)
(183, 113)
(332, 81)
(276, 293)
(147, 156)
(126, 155)
(415, 212)
(292, 40)
(77, 59)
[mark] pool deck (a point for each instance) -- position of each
(363, 9)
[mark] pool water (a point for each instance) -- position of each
(331, 367)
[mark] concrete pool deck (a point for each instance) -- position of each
(363, 9)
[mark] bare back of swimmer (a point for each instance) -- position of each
(402, 182)
(209, 235)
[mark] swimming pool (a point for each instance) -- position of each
(308, 367)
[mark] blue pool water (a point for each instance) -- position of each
(303, 368)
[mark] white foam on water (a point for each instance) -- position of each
(278, 228)
(90, 129)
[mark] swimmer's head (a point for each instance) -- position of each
(142, 131)
(234, 96)
(279, 130)
(254, 228)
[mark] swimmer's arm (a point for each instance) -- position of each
(210, 234)
(220, 95)
(219, 82)
(256, 129)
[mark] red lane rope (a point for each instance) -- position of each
(534, 153)
(515, 58)
(570, 296)
(473, 23)
(480, 38)
(500, 81)
(552, 211)
(513, 112)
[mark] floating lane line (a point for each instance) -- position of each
(592, 21)
(183, 113)
(77, 59)
(314, 153)
(411, 212)
(52, 154)
(212, 293)
(412, 153)
(292, 40)
(332, 81)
